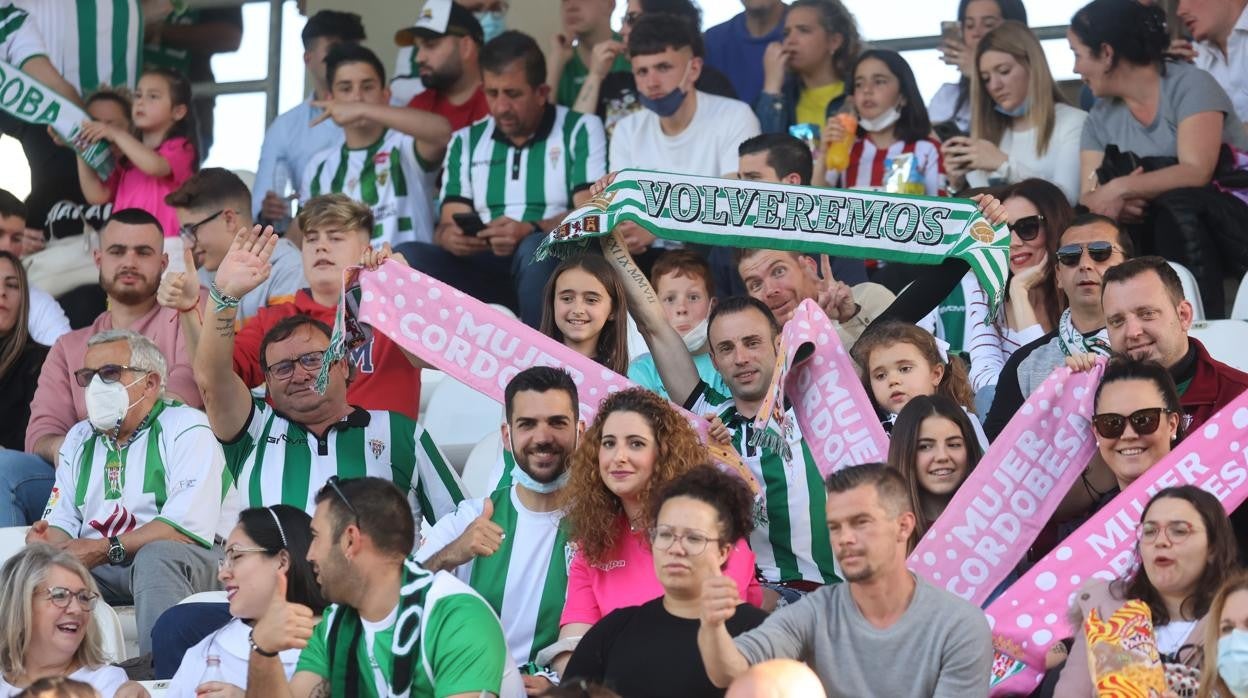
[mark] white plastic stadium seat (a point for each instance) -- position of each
(112, 636)
(430, 379)
(206, 597)
(458, 417)
(1240, 310)
(1191, 291)
(12, 540)
(481, 463)
(1225, 340)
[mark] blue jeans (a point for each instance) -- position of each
(25, 483)
(181, 628)
(516, 281)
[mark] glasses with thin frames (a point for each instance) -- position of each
(1176, 531)
(109, 373)
(190, 232)
(1099, 251)
(285, 368)
(1111, 425)
(60, 597)
(1028, 227)
(231, 556)
(694, 543)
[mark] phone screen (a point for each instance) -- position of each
(950, 32)
(470, 223)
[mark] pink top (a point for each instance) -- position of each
(627, 578)
(134, 188)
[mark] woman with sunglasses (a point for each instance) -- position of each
(701, 514)
(1186, 550)
(1038, 213)
(46, 597)
(268, 544)
(1138, 420)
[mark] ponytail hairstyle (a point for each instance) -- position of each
(954, 382)
(612, 348)
(179, 95)
(1136, 32)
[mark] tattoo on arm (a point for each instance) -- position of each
(321, 690)
(620, 255)
(225, 326)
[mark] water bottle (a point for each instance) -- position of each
(283, 180)
(213, 671)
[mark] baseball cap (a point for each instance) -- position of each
(439, 18)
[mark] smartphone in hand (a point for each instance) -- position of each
(468, 222)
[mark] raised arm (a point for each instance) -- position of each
(431, 131)
(226, 397)
(671, 357)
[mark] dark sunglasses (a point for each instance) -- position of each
(332, 483)
(1027, 228)
(109, 373)
(192, 230)
(1099, 251)
(1110, 425)
(286, 368)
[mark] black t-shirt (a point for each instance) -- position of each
(645, 652)
(17, 391)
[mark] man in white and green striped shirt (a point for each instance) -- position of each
(517, 172)
(389, 155)
(508, 546)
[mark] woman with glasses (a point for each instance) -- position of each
(1038, 213)
(268, 546)
(636, 446)
(701, 514)
(1138, 419)
(1186, 550)
(46, 597)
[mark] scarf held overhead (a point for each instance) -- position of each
(838, 222)
(29, 100)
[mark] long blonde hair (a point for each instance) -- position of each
(1017, 40)
(18, 579)
(1211, 683)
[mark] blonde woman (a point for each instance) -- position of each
(1021, 126)
(46, 597)
(1224, 673)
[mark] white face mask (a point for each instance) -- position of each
(881, 122)
(108, 403)
(521, 477)
(695, 338)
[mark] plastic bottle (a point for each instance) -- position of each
(837, 157)
(213, 671)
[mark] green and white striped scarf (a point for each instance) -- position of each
(25, 98)
(839, 222)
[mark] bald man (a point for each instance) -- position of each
(777, 678)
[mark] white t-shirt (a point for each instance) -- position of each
(106, 679)
(940, 109)
(231, 644)
(707, 146)
(47, 321)
(1172, 635)
(1231, 70)
(1059, 164)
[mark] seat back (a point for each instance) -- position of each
(1191, 291)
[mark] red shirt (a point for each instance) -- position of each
(460, 115)
(384, 378)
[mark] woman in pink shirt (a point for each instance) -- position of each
(158, 160)
(636, 446)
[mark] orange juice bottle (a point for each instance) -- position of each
(837, 157)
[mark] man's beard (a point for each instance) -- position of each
(522, 460)
(439, 80)
(128, 295)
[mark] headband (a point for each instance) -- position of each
(280, 531)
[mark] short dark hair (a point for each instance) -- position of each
(1140, 265)
(739, 304)
(785, 154)
(351, 52)
(685, 9)
(683, 263)
(261, 524)
(11, 206)
(108, 94)
(1135, 31)
(541, 379)
(285, 328)
(727, 494)
(380, 511)
(914, 123)
(1010, 9)
(134, 216)
(1122, 367)
(888, 483)
(511, 46)
(212, 187)
(1082, 219)
(657, 32)
(344, 26)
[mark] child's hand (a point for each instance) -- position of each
(56, 139)
(717, 432)
(1081, 362)
(95, 131)
(371, 259)
(343, 113)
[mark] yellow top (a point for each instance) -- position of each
(812, 105)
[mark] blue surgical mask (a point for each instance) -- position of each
(1020, 110)
(521, 477)
(1233, 662)
(492, 23)
(666, 105)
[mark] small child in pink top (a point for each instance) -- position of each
(158, 160)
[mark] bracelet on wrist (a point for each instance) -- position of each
(220, 299)
(251, 639)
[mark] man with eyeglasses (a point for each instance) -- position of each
(139, 484)
(508, 545)
(395, 629)
(131, 260)
(1086, 251)
(211, 206)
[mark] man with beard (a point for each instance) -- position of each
(131, 259)
(852, 634)
(508, 546)
(395, 629)
(447, 42)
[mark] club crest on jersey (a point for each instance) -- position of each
(119, 522)
(376, 446)
(555, 152)
(53, 498)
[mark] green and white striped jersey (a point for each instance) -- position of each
(387, 176)
(173, 471)
(790, 538)
(526, 581)
(277, 461)
(91, 42)
(530, 182)
(19, 39)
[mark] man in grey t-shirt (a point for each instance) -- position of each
(882, 633)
